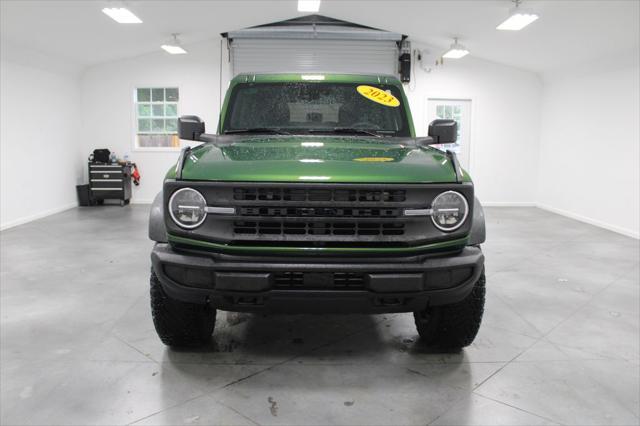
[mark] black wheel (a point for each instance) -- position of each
(180, 324)
(454, 326)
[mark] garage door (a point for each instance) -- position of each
(308, 55)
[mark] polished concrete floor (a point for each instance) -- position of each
(559, 343)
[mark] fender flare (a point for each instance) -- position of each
(478, 231)
(157, 228)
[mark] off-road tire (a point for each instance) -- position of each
(180, 324)
(454, 326)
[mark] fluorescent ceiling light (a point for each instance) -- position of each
(517, 21)
(121, 15)
(175, 48)
(312, 77)
(308, 5)
(456, 51)
(518, 18)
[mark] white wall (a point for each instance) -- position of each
(505, 121)
(108, 113)
(39, 157)
(589, 147)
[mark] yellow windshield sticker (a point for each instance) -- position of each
(374, 159)
(378, 95)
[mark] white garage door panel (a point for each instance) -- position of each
(272, 55)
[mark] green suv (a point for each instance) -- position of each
(315, 196)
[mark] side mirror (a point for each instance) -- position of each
(190, 127)
(443, 131)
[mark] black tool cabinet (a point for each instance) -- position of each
(110, 182)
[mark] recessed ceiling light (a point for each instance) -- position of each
(308, 5)
(456, 51)
(121, 15)
(518, 18)
(175, 47)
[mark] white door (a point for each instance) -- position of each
(459, 110)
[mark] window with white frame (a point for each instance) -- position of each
(157, 117)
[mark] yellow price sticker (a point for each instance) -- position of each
(378, 95)
(374, 159)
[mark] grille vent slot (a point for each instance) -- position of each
(284, 211)
(312, 194)
(341, 280)
(317, 228)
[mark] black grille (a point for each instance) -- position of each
(317, 228)
(281, 211)
(335, 280)
(315, 194)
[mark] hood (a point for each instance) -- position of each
(317, 159)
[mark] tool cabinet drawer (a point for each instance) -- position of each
(105, 167)
(101, 184)
(105, 174)
(107, 193)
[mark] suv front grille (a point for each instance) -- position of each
(317, 228)
(281, 211)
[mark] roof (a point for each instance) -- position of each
(317, 77)
(314, 27)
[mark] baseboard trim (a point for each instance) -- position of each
(141, 201)
(37, 216)
(594, 222)
(508, 203)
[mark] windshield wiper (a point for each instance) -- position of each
(346, 131)
(257, 130)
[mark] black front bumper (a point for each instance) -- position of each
(302, 285)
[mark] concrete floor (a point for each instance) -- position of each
(559, 343)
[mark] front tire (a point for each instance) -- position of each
(454, 326)
(180, 324)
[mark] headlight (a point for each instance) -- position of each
(187, 208)
(449, 211)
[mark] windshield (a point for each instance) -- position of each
(316, 107)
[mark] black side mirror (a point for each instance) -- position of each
(190, 127)
(443, 131)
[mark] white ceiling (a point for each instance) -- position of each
(569, 32)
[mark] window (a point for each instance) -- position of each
(453, 112)
(157, 117)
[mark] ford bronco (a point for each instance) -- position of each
(315, 196)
